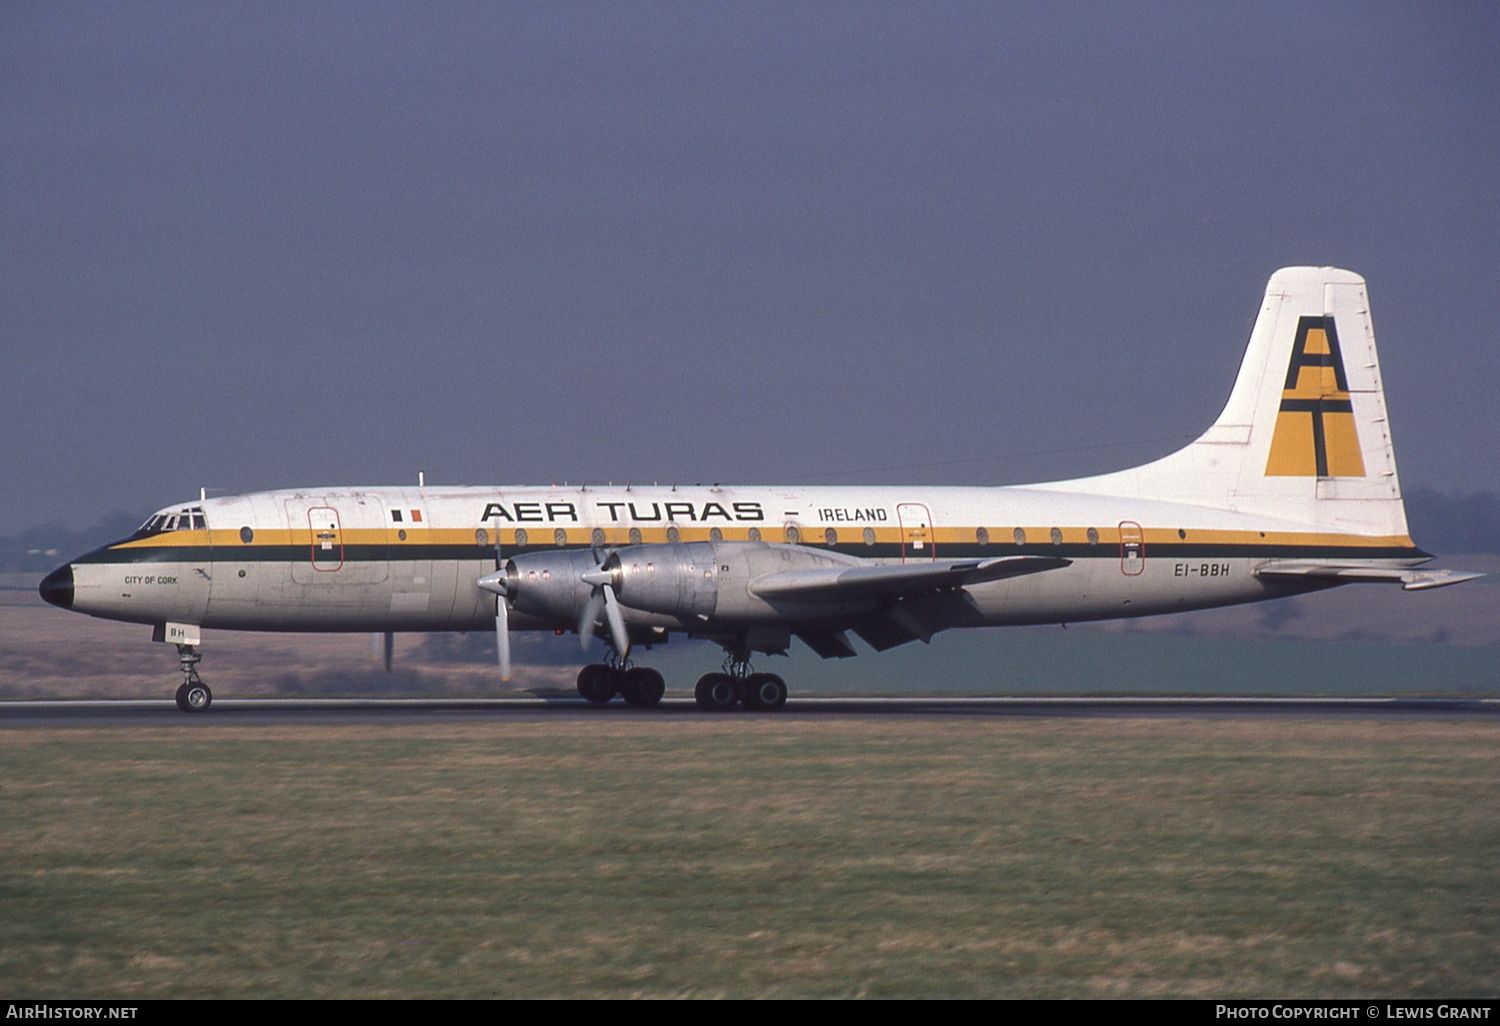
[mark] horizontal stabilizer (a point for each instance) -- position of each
(878, 580)
(1410, 580)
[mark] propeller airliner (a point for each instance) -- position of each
(1293, 489)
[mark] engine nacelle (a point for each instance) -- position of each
(679, 579)
(549, 585)
(691, 582)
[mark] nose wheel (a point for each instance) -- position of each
(193, 695)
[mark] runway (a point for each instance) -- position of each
(126, 713)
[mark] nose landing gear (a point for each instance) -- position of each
(193, 695)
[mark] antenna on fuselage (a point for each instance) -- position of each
(421, 479)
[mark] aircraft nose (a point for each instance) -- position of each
(57, 587)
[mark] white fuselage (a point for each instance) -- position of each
(402, 559)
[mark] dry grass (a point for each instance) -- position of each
(753, 856)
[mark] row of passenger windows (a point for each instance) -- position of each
(187, 520)
(1055, 536)
(791, 534)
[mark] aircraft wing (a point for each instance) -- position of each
(841, 584)
(1410, 580)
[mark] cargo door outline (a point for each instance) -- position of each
(408, 540)
(917, 541)
(1132, 548)
(350, 528)
(198, 588)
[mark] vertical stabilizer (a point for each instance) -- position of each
(1304, 436)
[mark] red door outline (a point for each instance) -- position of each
(916, 531)
(325, 538)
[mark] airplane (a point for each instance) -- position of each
(1293, 489)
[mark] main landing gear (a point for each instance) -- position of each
(721, 692)
(640, 686)
(193, 695)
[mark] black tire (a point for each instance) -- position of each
(716, 692)
(597, 683)
(195, 697)
(643, 687)
(764, 692)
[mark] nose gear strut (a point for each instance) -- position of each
(193, 695)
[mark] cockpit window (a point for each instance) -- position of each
(184, 520)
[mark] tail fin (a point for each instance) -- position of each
(1304, 436)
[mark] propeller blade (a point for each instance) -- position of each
(616, 621)
(591, 611)
(502, 635)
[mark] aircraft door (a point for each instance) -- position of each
(917, 542)
(198, 575)
(408, 533)
(1132, 548)
(327, 547)
(341, 539)
(180, 584)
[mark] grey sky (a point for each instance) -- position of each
(257, 246)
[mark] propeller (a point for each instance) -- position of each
(502, 635)
(603, 598)
(499, 584)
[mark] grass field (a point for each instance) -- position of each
(748, 856)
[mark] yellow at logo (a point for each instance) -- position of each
(1315, 434)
